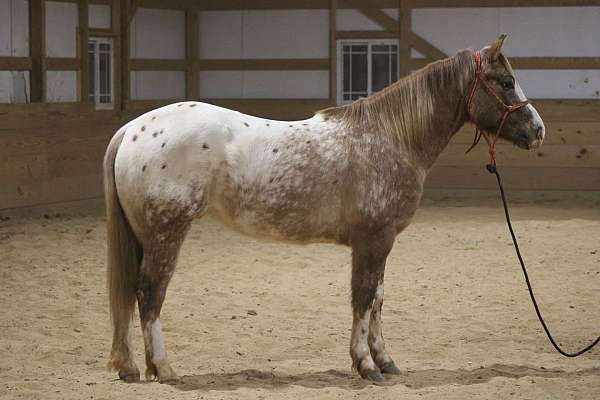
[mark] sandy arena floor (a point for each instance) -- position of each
(246, 319)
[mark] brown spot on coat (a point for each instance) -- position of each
(163, 166)
(153, 118)
(134, 138)
(143, 128)
(245, 123)
(275, 150)
(155, 134)
(205, 146)
(163, 145)
(143, 168)
(193, 105)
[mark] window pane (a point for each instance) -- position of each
(380, 48)
(380, 71)
(346, 73)
(104, 47)
(394, 71)
(104, 76)
(359, 72)
(359, 48)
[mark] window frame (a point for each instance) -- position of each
(98, 41)
(340, 63)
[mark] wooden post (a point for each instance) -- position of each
(37, 50)
(332, 52)
(125, 18)
(191, 54)
(82, 51)
(115, 26)
(405, 21)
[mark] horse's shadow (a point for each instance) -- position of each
(252, 378)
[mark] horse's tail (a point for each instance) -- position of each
(124, 250)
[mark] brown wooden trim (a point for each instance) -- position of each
(15, 63)
(115, 20)
(366, 35)
(83, 37)
(405, 34)
(37, 50)
(380, 18)
(154, 64)
(555, 62)
(125, 17)
(269, 64)
(426, 48)
(191, 54)
(501, 3)
(333, 51)
(62, 64)
(101, 32)
(551, 63)
(101, 2)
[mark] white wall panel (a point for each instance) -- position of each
(158, 34)
(61, 29)
(14, 32)
(61, 86)
(565, 84)
(285, 34)
(99, 16)
(149, 85)
(220, 84)
(220, 34)
(286, 84)
(551, 31)
(353, 20)
(264, 34)
(14, 86)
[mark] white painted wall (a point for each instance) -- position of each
(148, 85)
(158, 34)
(353, 20)
(61, 86)
(264, 84)
(533, 32)
(14, 42)
(61, 29)
(99, 16)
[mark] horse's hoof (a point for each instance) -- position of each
(390, 368)
(373, 375)
(166, 374)
(130, 376)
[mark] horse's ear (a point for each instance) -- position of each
(496, 47)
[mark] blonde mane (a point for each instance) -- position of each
(405, 109)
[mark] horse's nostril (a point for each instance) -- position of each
(540, 133)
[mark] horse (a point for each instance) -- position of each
(351, 175)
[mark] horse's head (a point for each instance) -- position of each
(496, 103)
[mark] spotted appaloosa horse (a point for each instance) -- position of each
(351, 175)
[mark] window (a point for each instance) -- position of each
(365, 67)
(100, 64)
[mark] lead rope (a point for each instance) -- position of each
(493, 170)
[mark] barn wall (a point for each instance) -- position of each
(264, 34)
(14, 42)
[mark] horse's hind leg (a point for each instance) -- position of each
(158, 265)
(376, 342)
(369, 252)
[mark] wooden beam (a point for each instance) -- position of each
(15, 63)
(106, 32)
(37, 50)
(115, 21)
(405, 33)
(82, 50)
(191, 54)
(265, 64)
(555, 62)
(125, 25)
(502, 3)
(380, 18)
(154, 64)
(333, 51)
(425, 48)
(366, 35)
(62, 64)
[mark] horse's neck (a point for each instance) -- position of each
(449, 115)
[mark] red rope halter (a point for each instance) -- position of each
(491, 140)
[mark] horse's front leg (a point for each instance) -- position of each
(369, 252)
(376, 343)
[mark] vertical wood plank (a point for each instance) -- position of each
(115, 25)
(82, 50)
(125, 19)
(405, 20)
(37, 49)
(332, 52)
(191, 54)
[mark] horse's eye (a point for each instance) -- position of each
(508, 84)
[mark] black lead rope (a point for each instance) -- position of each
(493, 170)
